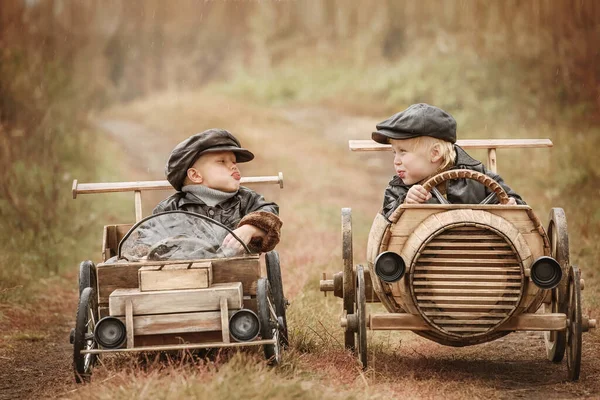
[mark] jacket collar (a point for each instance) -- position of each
(462, 160)
(190, 198)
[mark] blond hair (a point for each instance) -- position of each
(425, 144)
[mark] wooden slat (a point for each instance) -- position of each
(370, 145)
(437, 243)
(176, 301)
(492, 160)
(468, 298)
(162, 324)
(467, 261)
(490, 322)
(389, 321)
(453, 276)
(475, 268)
(464, 314)
(468, 252)
(224, 319)
(478, 284)
(470, 237)
(531, 322)
(174, 277)
(129, 326)
(108, 187)
(467, 306)
(470, 291)
(536, 322)
(173, 347)
(138, 205)
(176, 267)
(466, 329)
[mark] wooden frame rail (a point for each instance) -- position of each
(523, 322)
(139, 186)
(490, 144)
(181, 347)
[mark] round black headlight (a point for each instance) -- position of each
(110, 332)
(389, 266)
(244, 325)
(546, 272)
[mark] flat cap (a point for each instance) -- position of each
(417, 120)
(185, 154)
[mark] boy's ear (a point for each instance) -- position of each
(436, 153)
(194, 176)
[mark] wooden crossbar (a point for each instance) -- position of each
(138, 187)
(490, 144)
(110, 187)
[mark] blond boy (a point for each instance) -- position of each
(204, 171)
(423, 141)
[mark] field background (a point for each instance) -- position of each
(102, 92)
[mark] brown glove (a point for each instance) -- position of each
(268, 222)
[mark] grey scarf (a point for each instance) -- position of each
(211, 197)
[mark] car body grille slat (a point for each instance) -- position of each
(467, 280)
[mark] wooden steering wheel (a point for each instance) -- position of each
(497, 190)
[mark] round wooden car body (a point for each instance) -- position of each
(464, 274)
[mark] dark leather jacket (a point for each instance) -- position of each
(458, 191)
(229, 212)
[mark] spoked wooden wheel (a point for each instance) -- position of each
(574, 328)
(559, 244)
(276, 285)
(349, 281)
(361, 305)
(87, 275)
(270, 326)
(83, 335)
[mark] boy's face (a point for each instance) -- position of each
(217, 171)
(413, 164)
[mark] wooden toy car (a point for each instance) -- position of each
(165, 284)
(462, 274)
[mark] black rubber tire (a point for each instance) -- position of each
(87, 316)
(267, 321)
(276, 284)
(87, 276)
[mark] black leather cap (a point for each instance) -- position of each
(185, 154)
(417, 120)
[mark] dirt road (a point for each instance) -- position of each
(310, 146)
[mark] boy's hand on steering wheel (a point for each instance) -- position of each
(245, 233)
(417, 195)
(511, 202)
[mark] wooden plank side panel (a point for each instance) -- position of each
(173, 279)
(176, 301)
(123, 276)
(162, 324)
(246, 271)
(115, 276)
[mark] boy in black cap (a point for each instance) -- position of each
(423, 140)
(203, 169)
